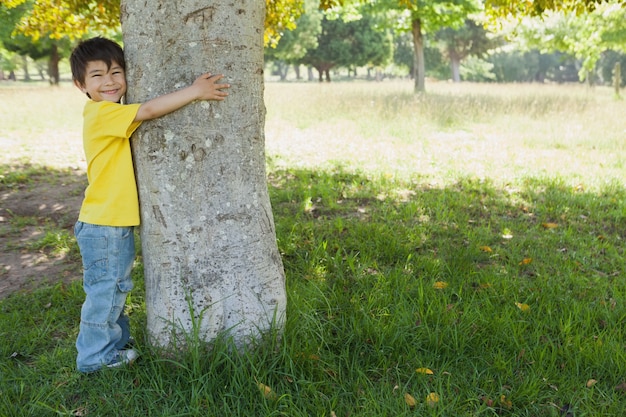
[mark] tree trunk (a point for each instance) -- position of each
(418, 57)
(25, 67)
(455, 67)
(53, 65)
(283, 69)
(208, 239)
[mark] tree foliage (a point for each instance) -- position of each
(281, 16)
(73, 19)
(585, 36)
(76, 18)
(294, 44)
(471, 39)
(508, 8)
(349, 43)
(422, 17)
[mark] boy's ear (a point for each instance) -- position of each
(80, 86)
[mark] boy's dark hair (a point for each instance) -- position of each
(95, 49)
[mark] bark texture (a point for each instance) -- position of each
(208, 238)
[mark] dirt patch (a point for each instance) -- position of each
(45, 203)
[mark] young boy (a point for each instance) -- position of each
(110, 210)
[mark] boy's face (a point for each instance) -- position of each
(102, 83)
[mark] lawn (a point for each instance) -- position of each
(459, 253)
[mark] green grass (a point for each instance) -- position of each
(508, 286)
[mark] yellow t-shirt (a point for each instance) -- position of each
(111, 196)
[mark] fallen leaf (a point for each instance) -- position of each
(526, 261)
(505, 403)
(485, 249)
(266, 391)
(621, 387)
(523, 307)
(424, 371)
(440, 285)
(488, 401)
(409, 400)
(549, 225)
(590, 383)
(80, 412)
(432, 399)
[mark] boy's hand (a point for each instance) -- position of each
(207, 87)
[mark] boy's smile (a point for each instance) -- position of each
(103, 83)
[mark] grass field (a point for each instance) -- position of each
(454, 254)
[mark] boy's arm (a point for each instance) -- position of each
(205, 87)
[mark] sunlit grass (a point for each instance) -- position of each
(486, 131)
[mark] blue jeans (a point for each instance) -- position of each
(108, 254)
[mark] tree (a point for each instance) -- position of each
(73, 19)
(458, 44)
(517, 9)
(351, 43)
(585, 36)
(294, 44)
(421, 17)
(45, 27)
(209, 247)
(76, 18)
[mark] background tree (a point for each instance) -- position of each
(348, 44)
(280, 17)
(73, 19)
(585, 36)
(511, 65)
(421, 17)
(607, 65)
(294, 44)
(46, 27)
(518, 9)
(458, 44)
(52, 50)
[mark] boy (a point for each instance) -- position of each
(110, 210)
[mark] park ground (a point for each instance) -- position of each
(459, 253)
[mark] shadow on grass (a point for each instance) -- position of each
(38, 207)
(504, 293)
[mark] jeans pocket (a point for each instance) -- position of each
(94, 254)
(125, 284)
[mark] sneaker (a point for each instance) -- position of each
(123, 357)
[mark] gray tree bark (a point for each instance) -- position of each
(208, 239)
(419, 68)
